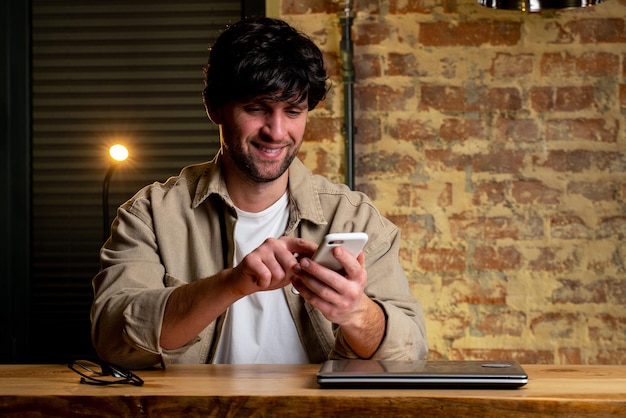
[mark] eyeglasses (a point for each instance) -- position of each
(103, 374)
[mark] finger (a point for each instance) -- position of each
(299, 246)
(351, 265)
(320, 280)
(258, 272)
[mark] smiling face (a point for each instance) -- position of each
(261, 137)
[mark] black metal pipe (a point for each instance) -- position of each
(105, 203)
(346, 18)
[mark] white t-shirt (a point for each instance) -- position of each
(259, 328)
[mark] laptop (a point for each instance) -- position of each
(421, 374)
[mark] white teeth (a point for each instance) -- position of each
(270, 151)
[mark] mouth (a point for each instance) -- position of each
(269, 152)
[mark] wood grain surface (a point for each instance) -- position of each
(292, 391)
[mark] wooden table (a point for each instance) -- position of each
(290, 391)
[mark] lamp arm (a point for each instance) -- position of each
(105, 202)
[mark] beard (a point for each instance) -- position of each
(259, 171)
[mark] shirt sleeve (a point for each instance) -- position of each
(130, 294)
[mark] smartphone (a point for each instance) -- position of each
(353, 242)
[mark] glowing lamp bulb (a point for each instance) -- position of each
(118, 152)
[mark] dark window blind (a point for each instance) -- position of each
(106, 72)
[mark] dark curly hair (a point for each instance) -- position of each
(264, 57)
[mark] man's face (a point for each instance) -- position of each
(261, 137)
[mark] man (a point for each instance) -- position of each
(214, 265)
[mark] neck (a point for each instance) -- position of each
(254, 197)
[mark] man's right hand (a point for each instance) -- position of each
(271, 265)
(192, 307)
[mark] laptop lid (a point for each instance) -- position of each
(421, 374)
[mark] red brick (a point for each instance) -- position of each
(568, 161)
(574, 98)
(598, 64)
(332, 64)
(461, 129)
(367, 130)
(492, 228)
(474, 33)
(444, 98)
(548, 260)
(612, 227)
(541, 98)
(384, 162)
(573, 291)
(322, 129)
(489, 192)
(596, 191)
(502, 99)
(402, 64)
(597, 130)
(601, 262)
(611, 327)
(506, 65)
(499, 259)
(454, 99)
(556, 323)
(367, 66)
(562, 98)
(370, 33)
(372, 97)
(614, 162)
(418, 227)
(609, 356)
(569, 227)
(617, 291)
(503, 322)
(412, 130)
(369, 189)
(517, 130)
(594, 64)
(534, 191)
(441, 260)
(558, 64)
(504, 161)
(600, 30)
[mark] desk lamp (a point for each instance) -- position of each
(118, 153)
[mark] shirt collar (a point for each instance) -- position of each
(302, 192)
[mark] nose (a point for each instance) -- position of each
(275, 126)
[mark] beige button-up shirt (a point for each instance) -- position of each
(182, 231)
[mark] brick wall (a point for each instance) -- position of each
(495, 141)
